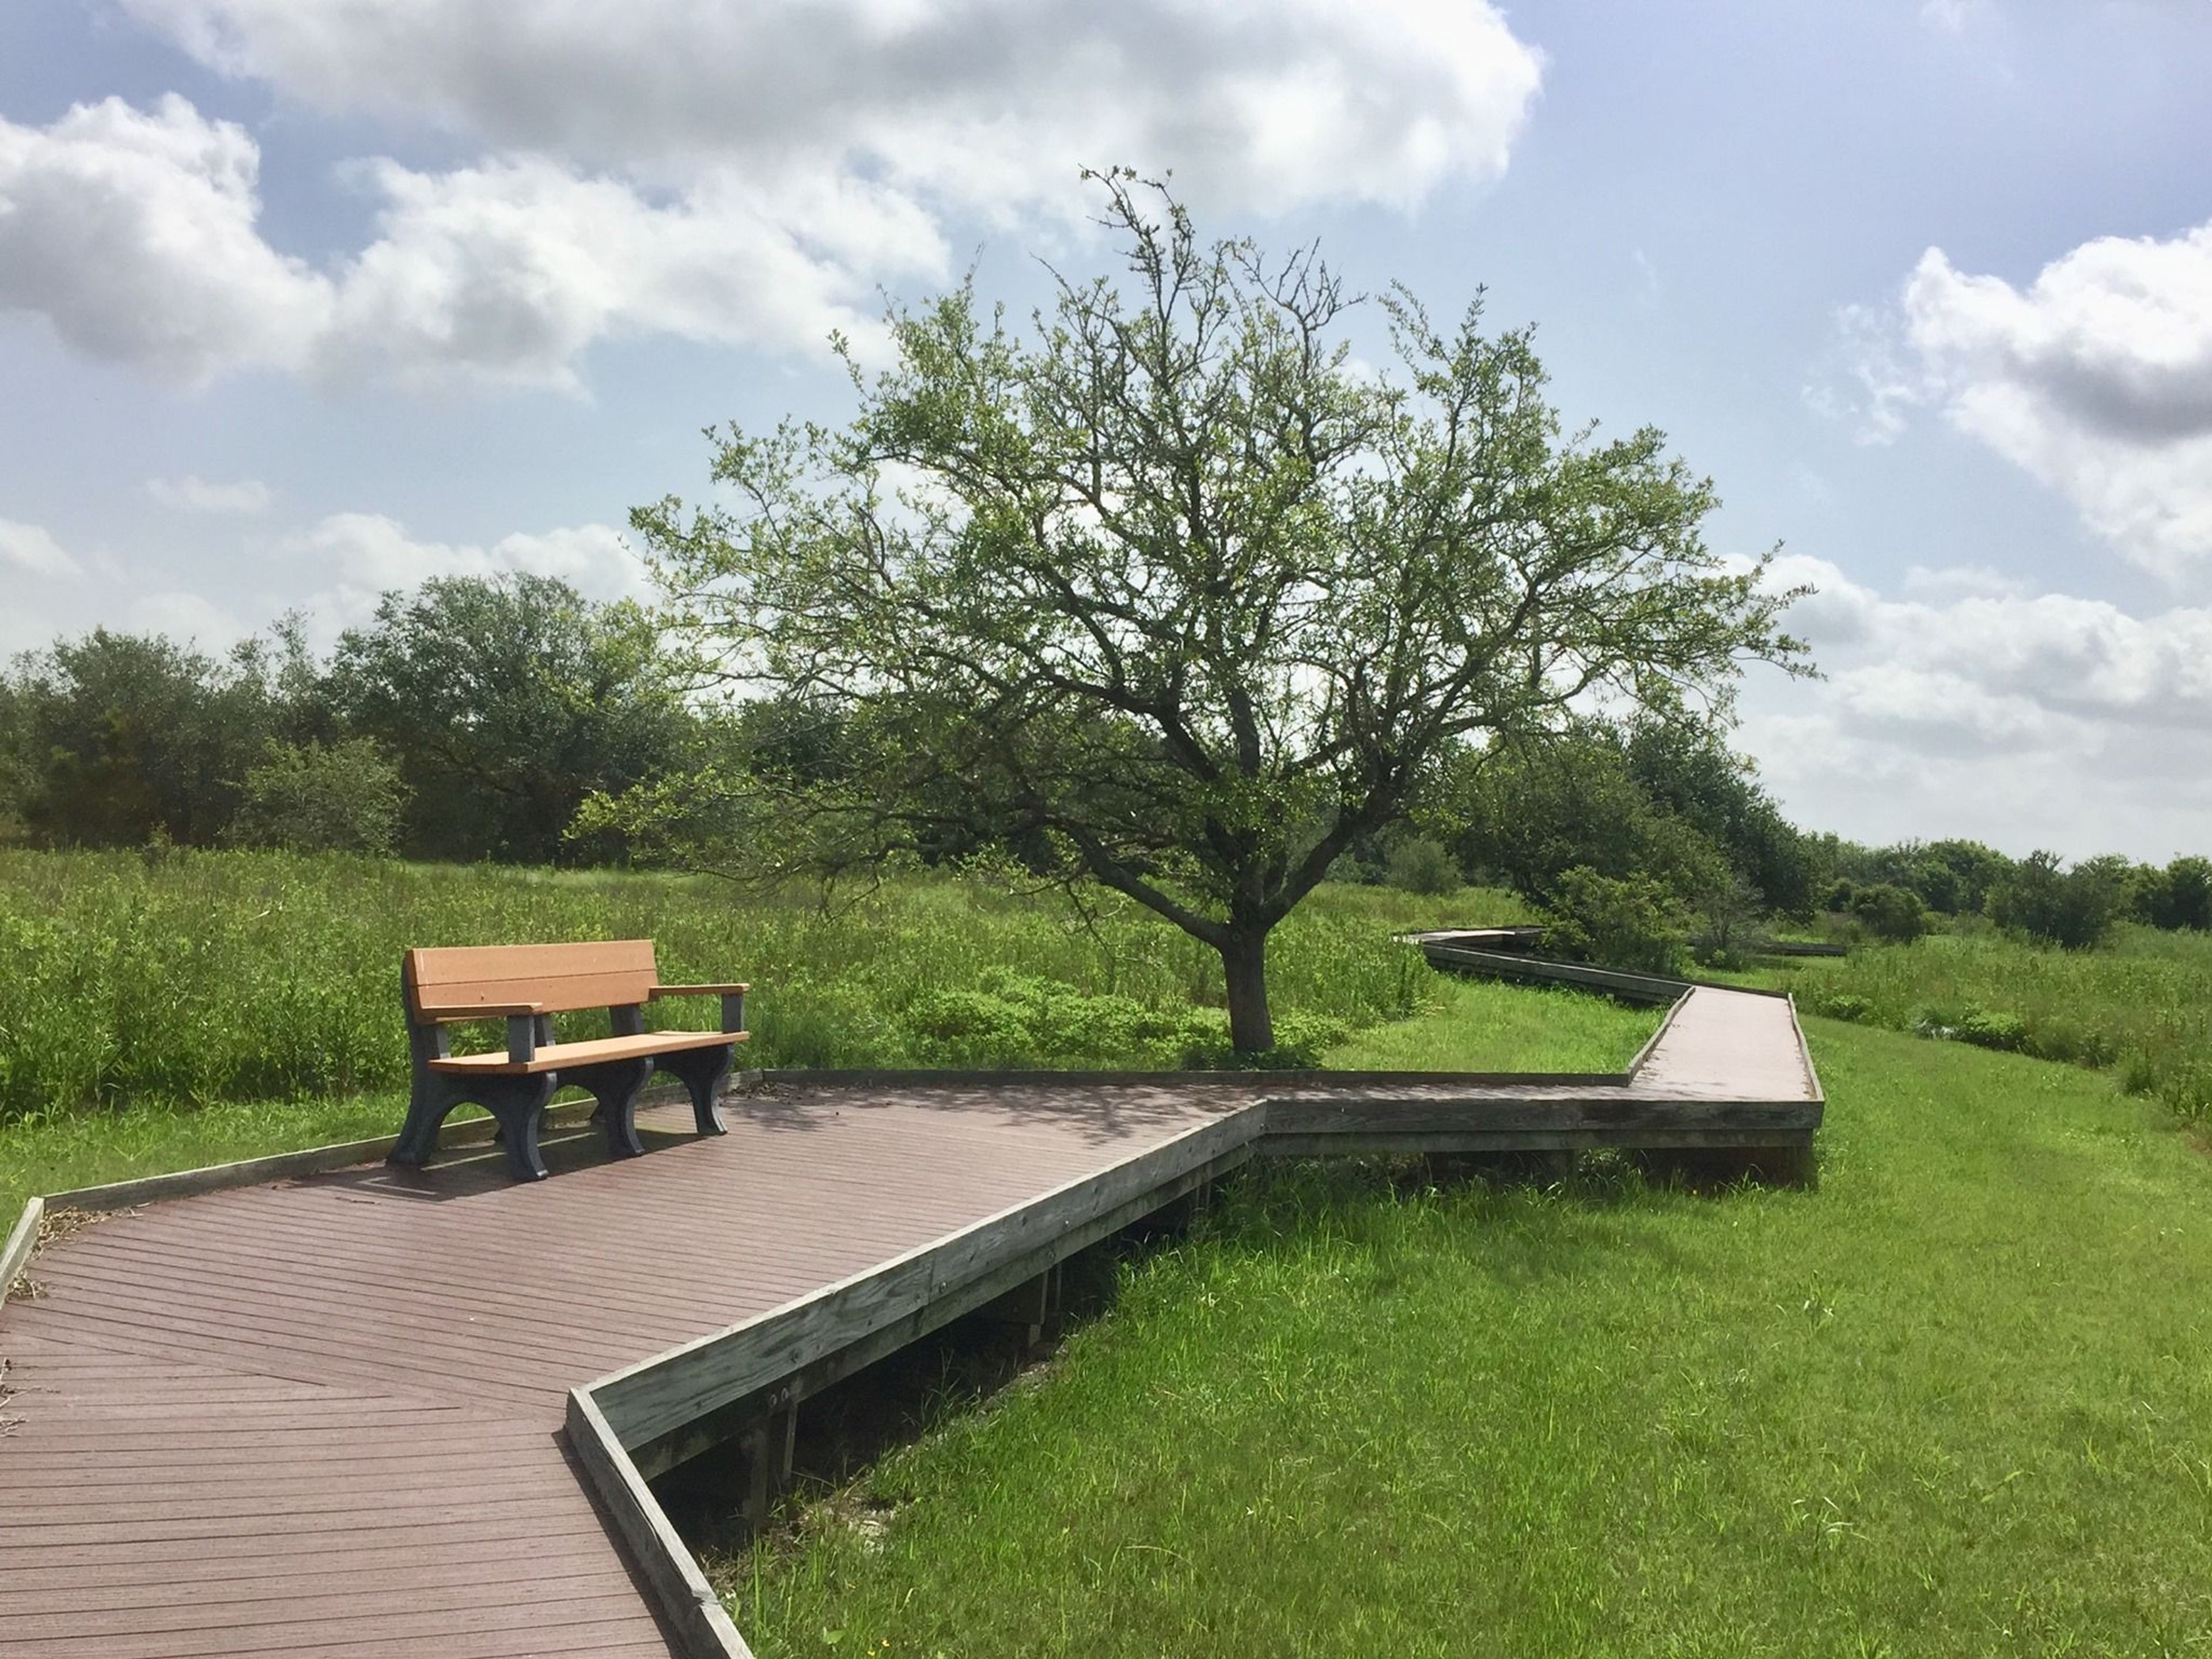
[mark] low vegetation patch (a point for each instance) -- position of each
(2140, 1006)
(1955, 1401)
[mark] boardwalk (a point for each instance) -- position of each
(326, 1416)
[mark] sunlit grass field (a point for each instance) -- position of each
(1956, 1400)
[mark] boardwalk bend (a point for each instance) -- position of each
(353, 1411)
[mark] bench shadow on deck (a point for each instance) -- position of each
(339, 1414)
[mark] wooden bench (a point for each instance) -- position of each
(526, 985)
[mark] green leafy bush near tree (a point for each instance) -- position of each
(1893, 915)
(343, 797)
(1631, 922)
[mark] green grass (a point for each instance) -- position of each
(89, 1149)
(1957, 1400)
(164, 1012)
(2141, 1006)
(1481, 1025)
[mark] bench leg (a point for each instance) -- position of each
(703, 1071)
(614, 1085)
(428, 1102)
(519, 1105)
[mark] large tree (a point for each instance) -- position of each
(1180, 596)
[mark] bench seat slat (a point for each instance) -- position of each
(561, 1056)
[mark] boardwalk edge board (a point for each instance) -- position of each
(703, 1626)
(15, 1254)
(660, 1395)
(1654, 989)
(1805, 1053)
(1261, 1082)
(1667, 1024)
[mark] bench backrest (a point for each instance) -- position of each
(563, 977)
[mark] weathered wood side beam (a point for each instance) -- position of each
(22, 1239)
(663, 1452)
(1577, 1121)
(645, 1402)
(701, 1626)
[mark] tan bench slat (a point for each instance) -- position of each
(559, 977)
(560, 1056)
(441, 965)
(659, 991)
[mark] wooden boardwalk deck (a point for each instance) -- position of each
(325, 1415)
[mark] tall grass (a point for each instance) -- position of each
(195, 978)
(2141, 1007)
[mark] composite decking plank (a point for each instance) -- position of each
(58, 1589)
(604, 1596)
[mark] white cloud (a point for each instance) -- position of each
(505, 272)
(2096, 378)
(359, 556)
(133, 234)
(745, 174)
(193, 494)
(988, 102)
(31, 547)
(1973, 706)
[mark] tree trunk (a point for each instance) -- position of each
(1245, 966)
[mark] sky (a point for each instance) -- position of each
(301, 301)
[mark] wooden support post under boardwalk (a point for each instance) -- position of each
(767, 1446)
(1031, 1307)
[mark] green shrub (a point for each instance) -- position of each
(1893, 915)
(2074, 909)
(1421, 866)
(1985, 1030)
(1630, 922)
(309, 797)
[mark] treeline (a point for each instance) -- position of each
(468, 720)
(495, 719)
(1897, 891)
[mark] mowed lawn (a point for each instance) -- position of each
(1957, 1400)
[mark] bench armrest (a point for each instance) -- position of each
(733, 996)
(445, 1014)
